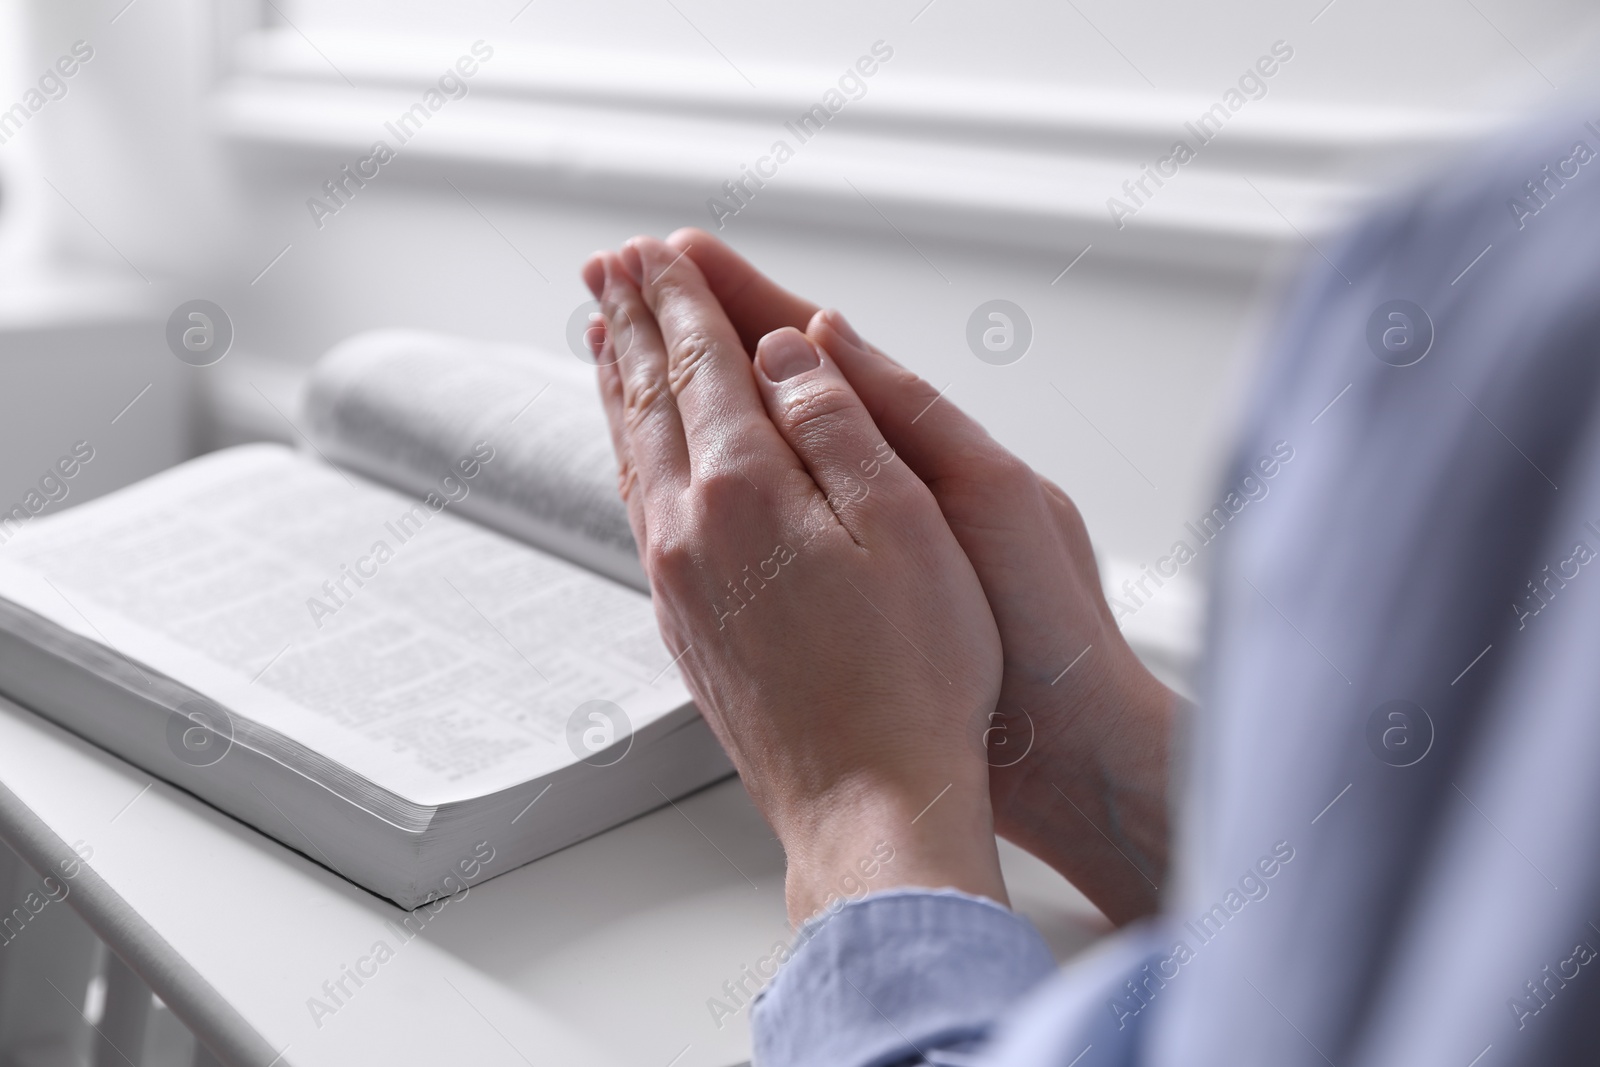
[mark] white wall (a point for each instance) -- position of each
(977, 165)
(1362, 51)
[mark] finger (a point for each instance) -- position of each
(707, 368)
(627, 477)
(754, 303)
(937, 440)
(824, 422)
(593, 273)
(651, 430)
(610, 384)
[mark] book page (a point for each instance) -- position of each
(406, 408)
(434, 657)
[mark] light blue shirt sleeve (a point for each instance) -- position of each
(905, 976)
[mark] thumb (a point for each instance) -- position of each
(824, 422)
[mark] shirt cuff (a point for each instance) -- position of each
(893, 976)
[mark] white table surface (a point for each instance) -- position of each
(605, 953)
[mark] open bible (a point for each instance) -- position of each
(417, 651)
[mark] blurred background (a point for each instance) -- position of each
(978, 161)
(198, 150)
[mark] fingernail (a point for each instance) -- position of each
(845, 330)
(784, 353)
(633, 263)
(594, 274)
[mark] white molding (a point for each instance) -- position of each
(1020, 166)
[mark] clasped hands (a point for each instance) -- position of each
(893, 625)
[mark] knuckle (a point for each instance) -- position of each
(642, 401)
(910, 382)
(1057, 500)
(720, 492)
(1012, 481)
(627, 478)
(1010, 474)
(818, 411)
(687, 356)
(670, 560)
(914, 392)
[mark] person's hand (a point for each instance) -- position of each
(829, 626)
(1089, 795)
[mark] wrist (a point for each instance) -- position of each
(869, 836)
(1092, 800)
